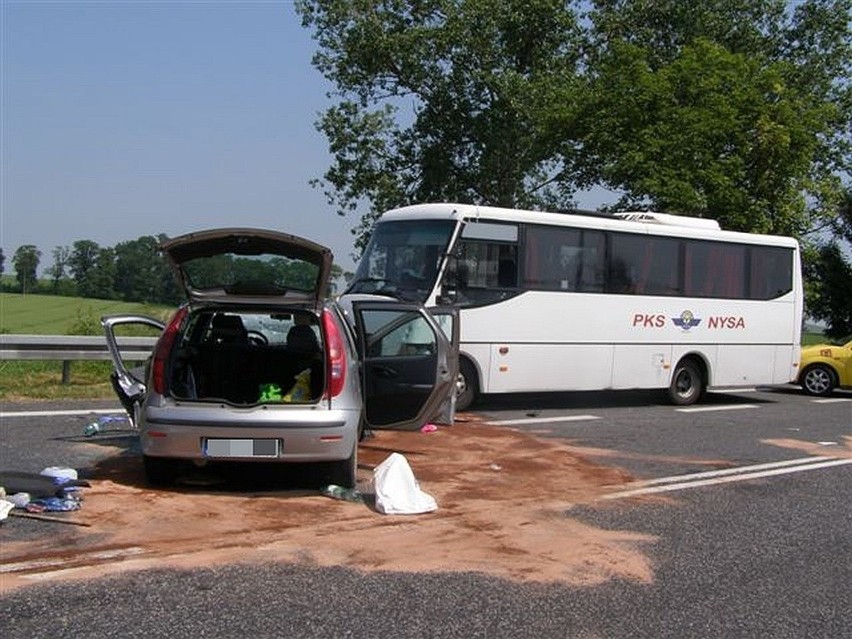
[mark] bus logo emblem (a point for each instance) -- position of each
(686, 320)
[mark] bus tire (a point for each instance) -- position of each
(467, 387)
(687, 385)
(818, 380)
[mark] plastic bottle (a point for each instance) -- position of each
(344, 494)
(102, 424)
(91, 429)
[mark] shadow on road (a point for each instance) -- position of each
(612, 399)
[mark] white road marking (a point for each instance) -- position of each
(57, 413)
(690, 483)
(734, 391)
(709, 409)
(543, 420)
(728, 471)
(831, 400)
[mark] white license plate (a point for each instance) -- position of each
(241, 448)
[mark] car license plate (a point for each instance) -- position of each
(241, 448)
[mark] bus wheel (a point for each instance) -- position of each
(466, 385)
(687, 384)
(818, 380)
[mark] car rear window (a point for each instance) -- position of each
(252, 275)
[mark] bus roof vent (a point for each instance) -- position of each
(670, 220)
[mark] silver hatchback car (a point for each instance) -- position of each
(257, 365)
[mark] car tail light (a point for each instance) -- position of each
(163, 348)
(335, 356)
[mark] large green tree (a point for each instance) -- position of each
(829, 272)
(140, 272)
(445, 100)
(25, 261)
(738, 111)
(84, 255)
(99, 280)
(732, 109)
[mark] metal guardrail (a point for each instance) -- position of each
(67, 348)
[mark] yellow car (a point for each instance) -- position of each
(825, 367)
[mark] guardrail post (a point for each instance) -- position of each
(66, 371)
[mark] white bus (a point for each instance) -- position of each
(585, 301)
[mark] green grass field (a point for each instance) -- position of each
(53, 315)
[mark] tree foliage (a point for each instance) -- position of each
(444, 100)
(734, 110)
(25, 260)
(84, 255)
(831, 301)
(140, 271)
(738, 110)
(57, 271)
(828, 271)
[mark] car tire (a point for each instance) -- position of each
(467, 387)
(160, 471)
(818, 380)
(687, 385)
(344, 473)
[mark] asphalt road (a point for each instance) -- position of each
(752, 538)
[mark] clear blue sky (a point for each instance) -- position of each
(124, 119)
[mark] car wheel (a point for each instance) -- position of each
(160, 471)
(818, 380)
(687, 385)
(466, 386)
(343, 473)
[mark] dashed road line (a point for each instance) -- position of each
(831, 400)
(710, 478)
(543, 420)
(710, 409)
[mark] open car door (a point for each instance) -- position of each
(409, 364)
(128, 383)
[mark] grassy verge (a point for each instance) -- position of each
(27, 380)
(57, 315)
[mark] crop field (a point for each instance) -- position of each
(55, 315)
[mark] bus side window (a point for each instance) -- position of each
(507, 273)
(480, 272)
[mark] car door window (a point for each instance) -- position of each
(406, 371)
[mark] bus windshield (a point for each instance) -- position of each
(403, 258)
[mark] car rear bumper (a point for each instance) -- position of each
(302, 434)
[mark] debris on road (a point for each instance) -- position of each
(397, 491)
(54, 489)
(343, 494)
(40, 517)
(105, 423)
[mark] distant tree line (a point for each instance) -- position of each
(132, 271)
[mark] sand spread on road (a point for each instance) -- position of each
(504, 509)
